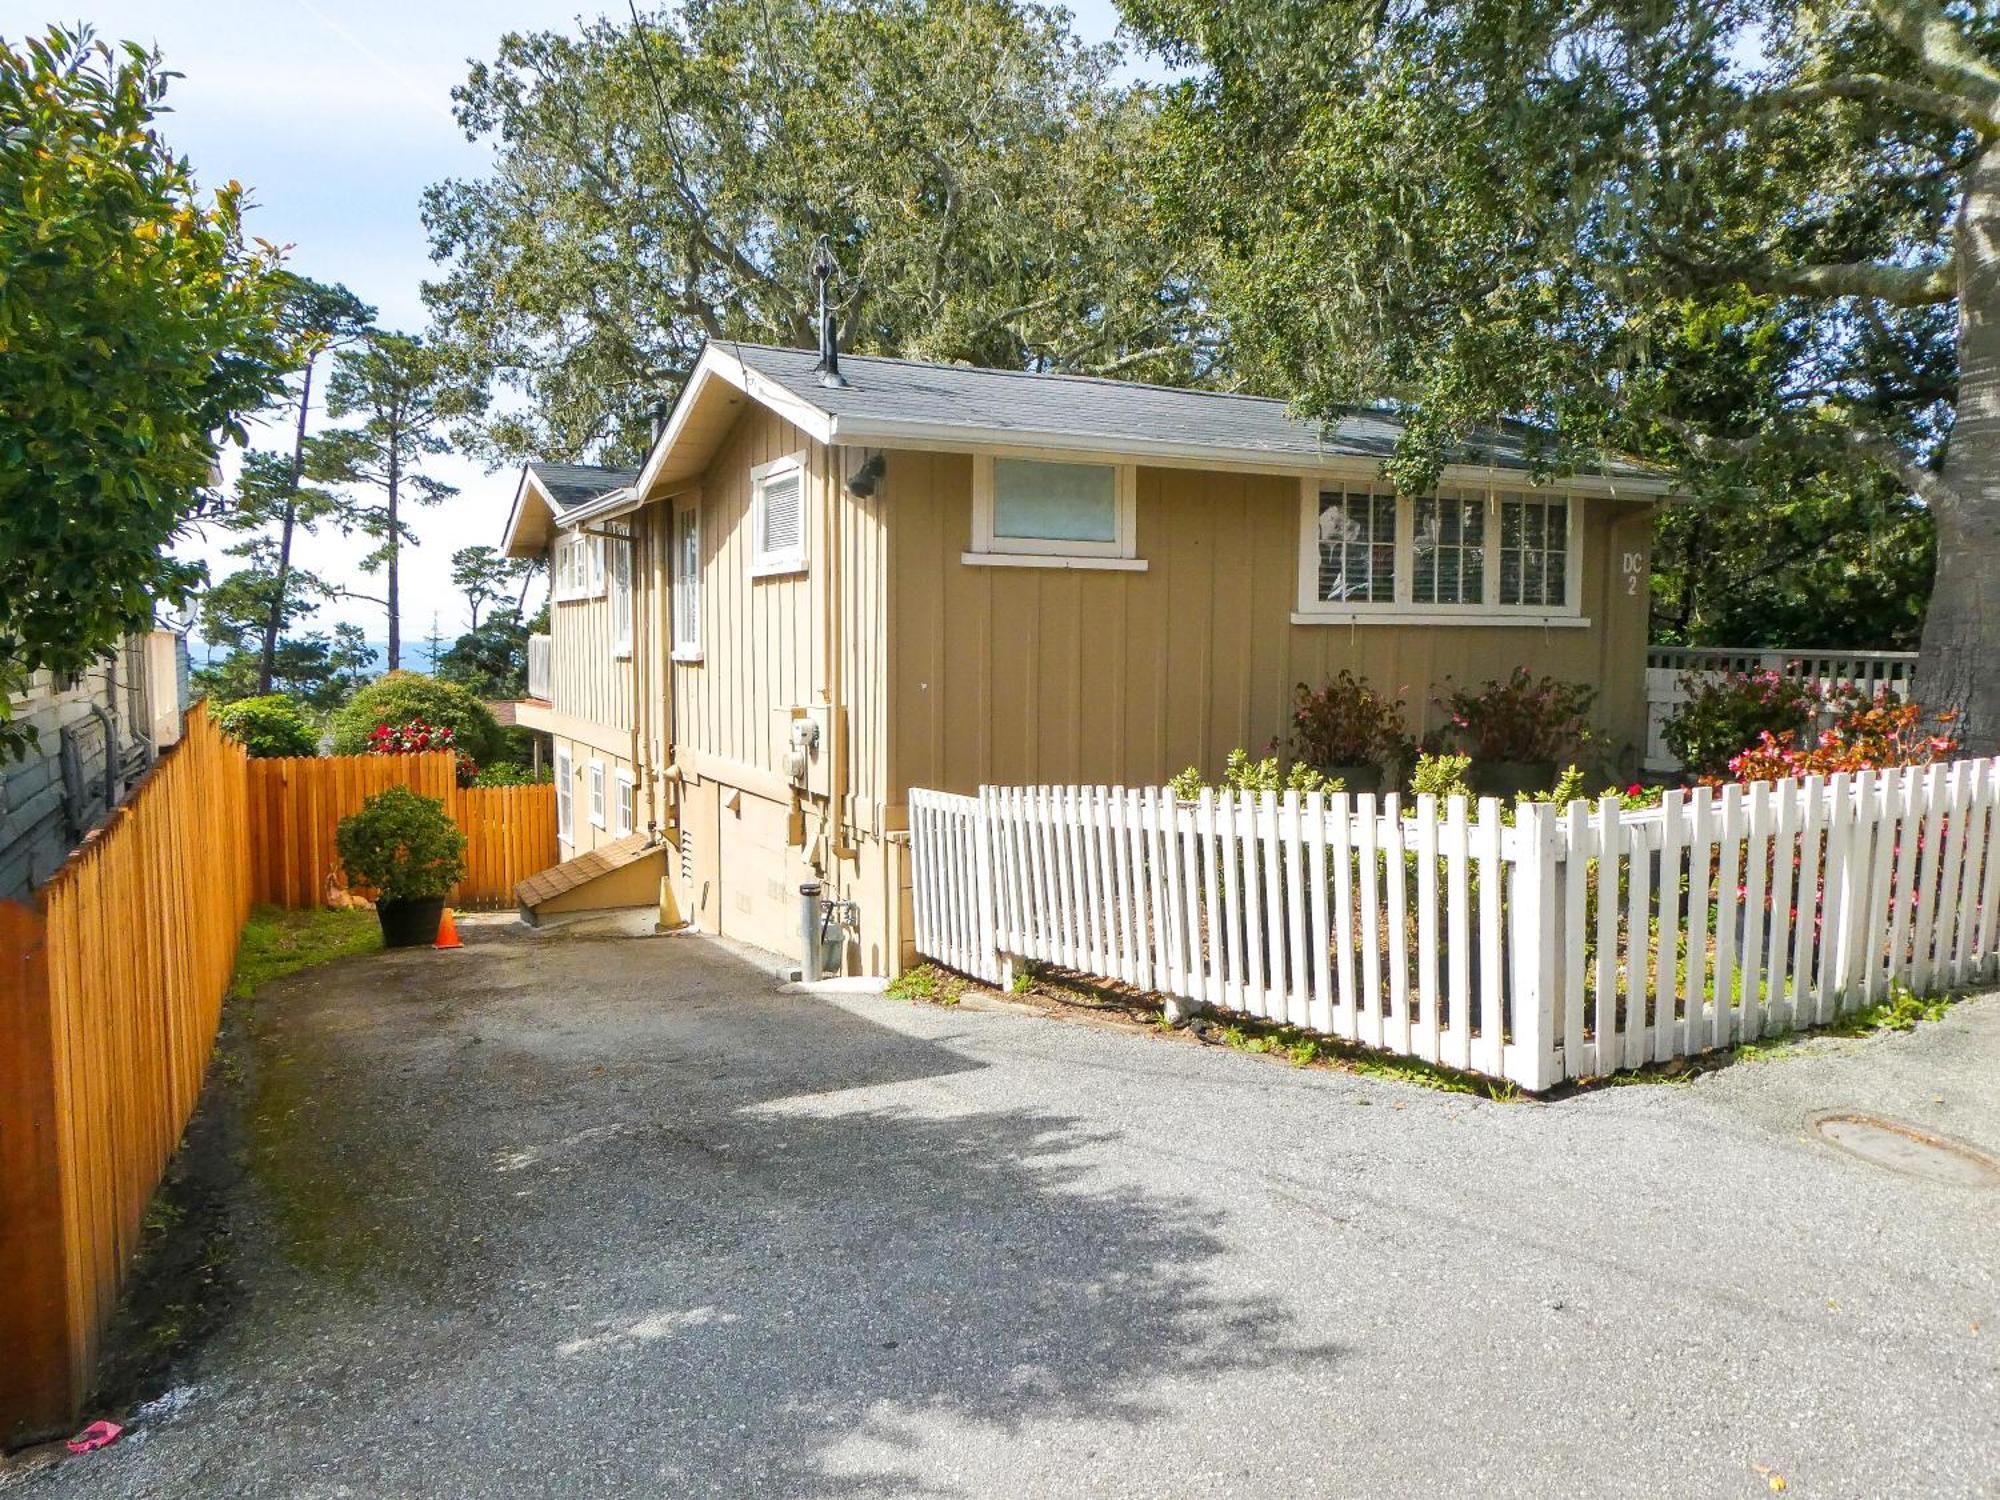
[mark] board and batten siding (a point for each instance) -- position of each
(586, 680)
(1033, 676)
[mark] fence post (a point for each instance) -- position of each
(990, 965)
(1533, 940)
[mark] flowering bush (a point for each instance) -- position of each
(1523, 718)
(1346, 723)
(418, 738)
(1867, 734)
(1725, 713)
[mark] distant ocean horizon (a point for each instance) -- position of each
(416, 653)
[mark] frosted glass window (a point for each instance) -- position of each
(1034, 500)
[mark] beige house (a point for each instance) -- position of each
(820, 592)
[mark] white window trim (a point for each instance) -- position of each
(621, 631)
(565, 795)
(765, 563)
(594, 793)
(578, 567)
(624, 814)
(685, 648)
(1121, 553)
(1403, 610)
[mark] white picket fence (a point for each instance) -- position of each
(1534, 945)
(1668, 668)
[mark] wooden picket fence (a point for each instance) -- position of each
(111, 989)
(297, 804)
(1531, 943)
(112, 993)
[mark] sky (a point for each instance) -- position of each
(336, 115)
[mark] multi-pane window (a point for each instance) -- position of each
(619, 546)
(626, 809)
(1534, 550)
(579, 566)
(1448, 552)
(687, 582)
(594, 786)
(565, 793)
(1357, 548)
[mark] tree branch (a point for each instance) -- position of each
(1944, 54)
(1900, 286)
(1925, 483)
(1983, 117)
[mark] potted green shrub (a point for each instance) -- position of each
(1348, 732)
(1520, 730)
(405, 848)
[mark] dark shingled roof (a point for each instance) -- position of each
(571, 485)
(1116, 411)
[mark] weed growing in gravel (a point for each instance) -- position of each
(929, 983)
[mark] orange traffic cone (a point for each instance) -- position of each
(447, 932)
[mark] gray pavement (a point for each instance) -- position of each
(617, 1217)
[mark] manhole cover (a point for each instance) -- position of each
(1908, 1149)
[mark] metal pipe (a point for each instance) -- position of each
(809, 965)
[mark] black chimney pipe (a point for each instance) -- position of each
(824, 269)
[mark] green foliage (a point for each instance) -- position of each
(401, 845)
(1242, 774)
(967, 158)
(399, 697)
(136, 330)
(1346, 723)
(319, 670)
(389, 392)
(503, 773)
(491, 659)
(484, 574)
(268, 726)
(1726, 712)
(1523, 718)
(1649, 228)
(1442, 776)
(277, 942)
(1903, 1010)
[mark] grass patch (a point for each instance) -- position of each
(277, 942)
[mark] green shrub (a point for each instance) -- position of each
(401, 845)
(268, 726)
(1442, 776)
(401, 697)
(1524, 718)
(1346, 723)
(504, 774)
(1727, 714)
(1242, 774)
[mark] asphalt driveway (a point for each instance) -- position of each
(611, 1216)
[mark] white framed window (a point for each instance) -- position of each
(1448, 550)
(778, 517)
(1499, 556)
(594, 790)
(565, 794)
(618, 565)
(579, 566)
(625, 805)
(1054, 512)
(687, 582)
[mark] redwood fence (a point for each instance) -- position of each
(111, 989)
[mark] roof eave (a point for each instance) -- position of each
(886, 432)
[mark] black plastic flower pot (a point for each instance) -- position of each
(410, 924)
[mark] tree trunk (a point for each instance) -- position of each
(1958, 667)
(395, 546)
(268, 665)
